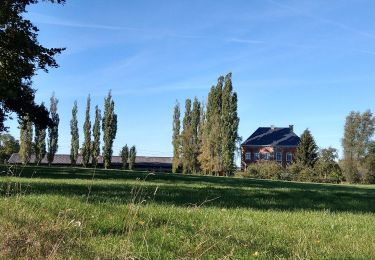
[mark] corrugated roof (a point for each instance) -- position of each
(273, 136)
(65, 159)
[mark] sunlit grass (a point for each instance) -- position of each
(136, 215)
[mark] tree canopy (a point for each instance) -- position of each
(21, 56)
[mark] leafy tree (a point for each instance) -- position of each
(211, 156)
(39, 144)
(124, 156)
(74, 146)
(194, 139)
(229, 126)
(8, 146)
(327, 167)
(109, 126)
(186, 139)
(176, 141)
(358, 130)
(96, 134)
(86, 147)
(307, 151)
(370, 164)
(132, 157)
(210, 132)
(216, 137)
(53, 130)
(21, 56)
(26, 137)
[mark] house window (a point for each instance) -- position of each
(266, 156)
(248, 156)
(289, 157)
(256, 156)
(279, 156)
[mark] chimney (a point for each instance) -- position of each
(291, 127)
(273, 127)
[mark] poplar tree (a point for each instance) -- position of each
(176, 141)
(96, 133)
(219, 129)
(132, 157)
(109, 126)
(186, 139)
(53, 130)
(211, 150)
(124, 156)
(39, 144)
(307, 150)
(229, 125)
(194, 139)
(26, 139)
(74, 145)
(86, 147)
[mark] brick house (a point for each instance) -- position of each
(270, 143)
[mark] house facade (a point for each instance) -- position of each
(270, 144)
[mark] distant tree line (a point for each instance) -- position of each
(209, 136)
(90, 149)
(39, 147)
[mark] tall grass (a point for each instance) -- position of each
(65, 213)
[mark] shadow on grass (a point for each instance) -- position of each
(204, 191)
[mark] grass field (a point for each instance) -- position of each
(78, 213)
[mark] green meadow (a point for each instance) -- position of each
(62, 213)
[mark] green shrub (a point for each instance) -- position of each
(265, 170)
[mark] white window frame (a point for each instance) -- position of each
(256, 156)
(266, 156)
(287, 157)
(248, 156)
(277, 156)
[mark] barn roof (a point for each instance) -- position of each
(62, 159)
(273, 136)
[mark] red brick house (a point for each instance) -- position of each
(270, 143)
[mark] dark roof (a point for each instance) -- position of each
(273, 136)
(65, 159)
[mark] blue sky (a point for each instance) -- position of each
(306, 63)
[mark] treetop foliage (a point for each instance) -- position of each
(21, 55)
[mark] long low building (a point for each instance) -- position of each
(141, 162)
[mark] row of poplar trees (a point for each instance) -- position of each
(208, 140)
(90, 149)
(38, 147)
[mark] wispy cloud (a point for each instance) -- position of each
(300, 46)
(324, 20)
(51, 20)
(250, 41)
(150, 33)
